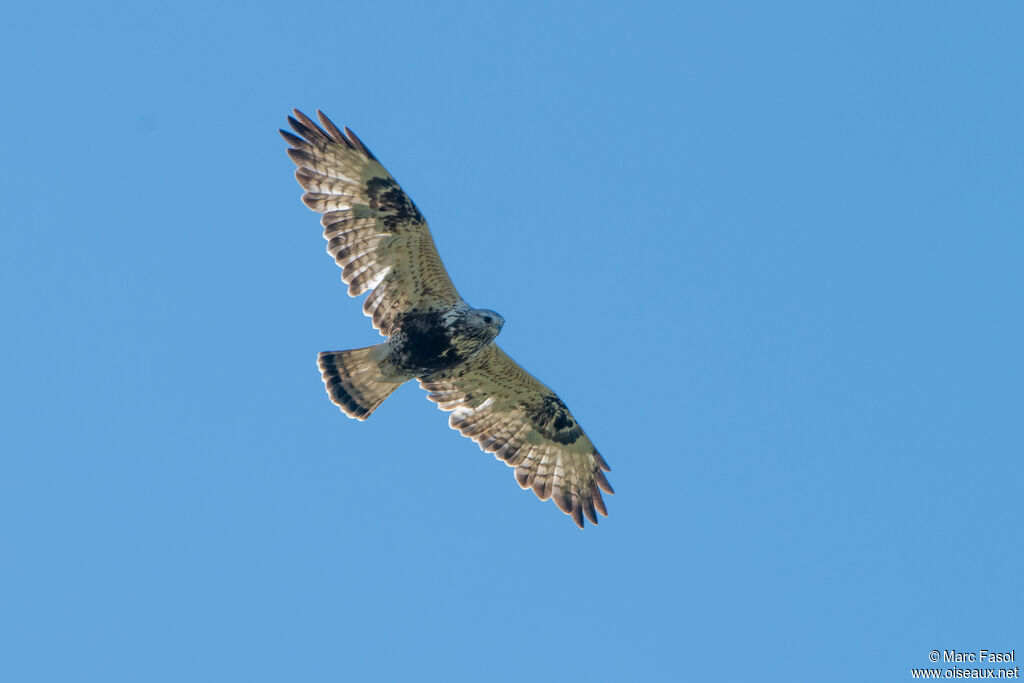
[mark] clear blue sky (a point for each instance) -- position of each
(770, 254)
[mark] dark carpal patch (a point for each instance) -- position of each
(556, 422)
(385, 195)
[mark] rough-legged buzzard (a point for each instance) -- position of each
(382, 243)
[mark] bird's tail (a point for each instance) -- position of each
(354, 379)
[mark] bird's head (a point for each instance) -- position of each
(487, 322)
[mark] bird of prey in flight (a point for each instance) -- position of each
(381, 242)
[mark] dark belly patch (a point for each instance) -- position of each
(424, 344)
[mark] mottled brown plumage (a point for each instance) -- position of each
(382, 243)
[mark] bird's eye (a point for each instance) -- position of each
(487, 319)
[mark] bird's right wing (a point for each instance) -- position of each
(510, 413)
(373, 230)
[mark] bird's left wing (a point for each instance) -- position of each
(510, 413)
(373, 230)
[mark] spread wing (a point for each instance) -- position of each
(373, 230)
(508, 412)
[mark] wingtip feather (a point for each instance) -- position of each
(291, 138)
(577, 512)
(595, 493)
(332, 129)
(299, 157)
(359, 143)
(588, 509)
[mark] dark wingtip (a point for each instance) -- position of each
(292, 139)
(588, 509)
(307, 128)
(306, 121)
(595, 495)
(325, 131)
(332, 129)
(299, 157)
(359, 143)
(561, 498)
(577, 514)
